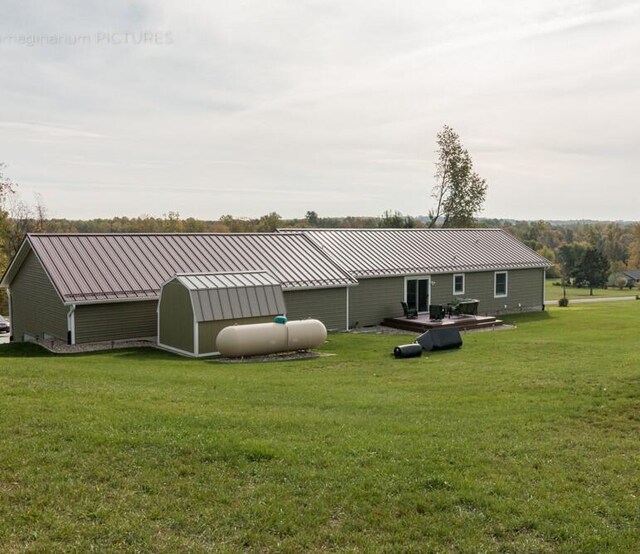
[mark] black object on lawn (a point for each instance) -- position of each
(407, 351)
(440, 339)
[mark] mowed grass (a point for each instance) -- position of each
(522, 441)
(555, 292)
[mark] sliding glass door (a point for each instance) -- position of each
(418, 293)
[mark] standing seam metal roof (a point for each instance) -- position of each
(222, 296)
(387, 252)
(110, 267)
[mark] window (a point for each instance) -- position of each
(500, 284)
(458, 283)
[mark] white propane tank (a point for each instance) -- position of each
(269, 338)
(305, 333)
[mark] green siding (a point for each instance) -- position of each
(524, 287)
(208, 331)
(116, 321)
(36, 306)
(176, 318)
(375, 299)
(327, 305)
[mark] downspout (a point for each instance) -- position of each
(71, 325)
(347, 326)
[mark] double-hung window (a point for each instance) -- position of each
(458, 283)
(500, 284)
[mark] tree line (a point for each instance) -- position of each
(582, 253)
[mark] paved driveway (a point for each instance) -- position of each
(4, 338)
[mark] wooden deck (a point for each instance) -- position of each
(422, 323)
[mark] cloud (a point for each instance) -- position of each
(254, 107)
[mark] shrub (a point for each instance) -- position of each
(563, 302)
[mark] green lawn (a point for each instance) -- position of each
(554, 292)
(521, 441)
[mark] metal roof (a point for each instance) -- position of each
(220, 296)
(113, 267)
(380, 252)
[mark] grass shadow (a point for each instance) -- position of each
(23, 350)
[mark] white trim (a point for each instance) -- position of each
(158, 319)
(71, 323)
(184, 352)
(157, 297)
(196, 336)
(544, 287)
(417, 278)
(111, 301)
(454, 283)
(448, 271)
(506, 284)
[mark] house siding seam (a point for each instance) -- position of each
(116, 321)
(36, 306)
(327, 305)
(374, 300)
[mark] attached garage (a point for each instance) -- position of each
(195, 307)
(82, 288)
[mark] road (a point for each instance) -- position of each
(589, 300)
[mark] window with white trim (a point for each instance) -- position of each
(458, 283)
(500, 284)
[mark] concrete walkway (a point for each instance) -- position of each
(589, 300)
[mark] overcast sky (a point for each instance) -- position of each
(247, 107)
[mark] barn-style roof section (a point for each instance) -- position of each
(113, 267)
(380, 252)
(220, 296)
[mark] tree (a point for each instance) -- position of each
(570, 257)
(312, 218)
(459, 191)
(269, 223)
(593, 269)
(6, 189)
(634, 248)
(395, 220)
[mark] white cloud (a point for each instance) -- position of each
(332, 106)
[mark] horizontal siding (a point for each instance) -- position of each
(327, 305)
(176, 317)
(442, 289)
(375, 299)
(36, 307)
(116, 321)
(525, 291)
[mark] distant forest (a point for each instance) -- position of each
(618, 243)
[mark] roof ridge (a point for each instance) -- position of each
(385, 229)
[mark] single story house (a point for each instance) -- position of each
(632, 277)
(433, 266)
(97, 287)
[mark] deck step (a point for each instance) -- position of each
(421, 325)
